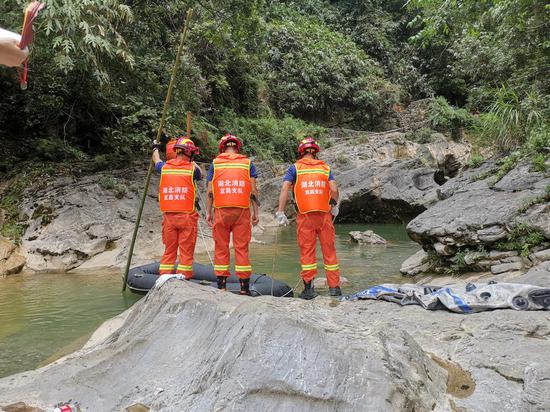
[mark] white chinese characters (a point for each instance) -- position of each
(228, 187)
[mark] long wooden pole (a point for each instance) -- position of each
(159, 133)
(189, 125)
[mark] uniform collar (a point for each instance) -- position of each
(310, 162)
(178, 162)
(231, 156)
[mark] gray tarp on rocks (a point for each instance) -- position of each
(467, 298)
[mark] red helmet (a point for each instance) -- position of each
(308, 142)
(187, 146)
(229, 138)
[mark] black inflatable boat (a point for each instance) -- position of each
(143, 278)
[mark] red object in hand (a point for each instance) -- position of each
(30, 14)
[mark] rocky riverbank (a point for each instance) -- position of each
(86, 222)
(485, 223)
(288, 354)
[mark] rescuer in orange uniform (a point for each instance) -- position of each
(315, 190)
(177, 192)
(231, 187)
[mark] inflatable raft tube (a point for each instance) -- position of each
(142, 278)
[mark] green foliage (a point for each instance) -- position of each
(13, 226)
(110, 183)
(99, 70)
(319, 74)
(506, 165)
(269, 137)
(422, 135)
(539, 140)
(491, 56)
(537, 147)
(475, 160)
(522, 238)
(434, 261)
(88, 34)
(539, 163)
(342, 160)
(445, 118)
(458, 264)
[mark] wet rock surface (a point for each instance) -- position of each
(288, 354)
(367, 237)
(417, 263)
(11, 259)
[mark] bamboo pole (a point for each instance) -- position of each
(159, 133)
(189, 125)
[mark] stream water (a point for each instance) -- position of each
(46, 316)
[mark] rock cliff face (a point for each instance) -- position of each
(11, 260)
(479, 216)
(288, 354)
(384, 177)
(87, 223)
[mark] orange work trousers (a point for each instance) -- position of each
(234, 220)
(311, 226)
(179, 230)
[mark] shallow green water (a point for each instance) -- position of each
(363, 265)
(44, 316)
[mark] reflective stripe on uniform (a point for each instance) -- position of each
(307, 171)
(243, 268)
(185, 267)
(332, 267)
(231, 166)
(167, 267)
(221, 267)
(311, 266)
(178, 172)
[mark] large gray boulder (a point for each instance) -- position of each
(478, 212)
(383, 177)
(184, 348)
(189, 348)
(367, 237)
(86, 223)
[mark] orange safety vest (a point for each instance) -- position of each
(231, 182)
(311, 189)
(177, 187)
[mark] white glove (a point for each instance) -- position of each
(281, 218)
(335, 210)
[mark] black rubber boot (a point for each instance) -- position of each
(308, 292)
(335, 291)
(245, 287)
(222, 282)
